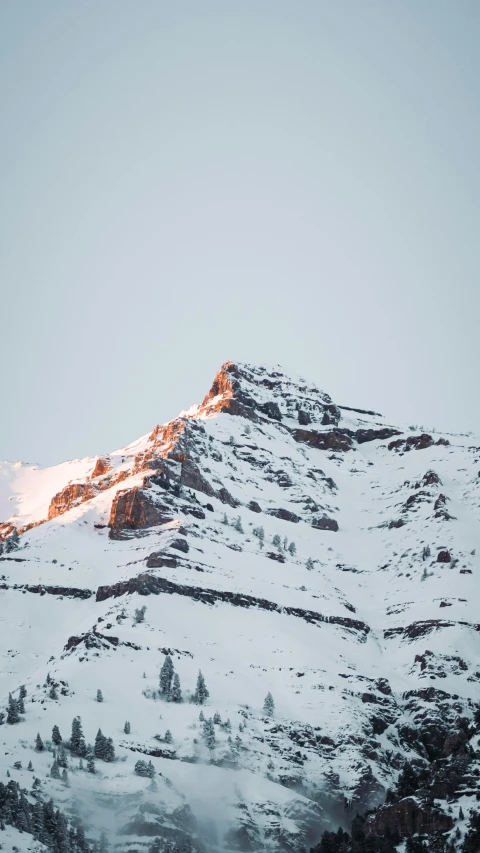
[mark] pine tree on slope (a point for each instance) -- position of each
(166, 675)
(201, 693)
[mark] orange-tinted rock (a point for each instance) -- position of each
(134, 509)
(102, 466)
(70, 497)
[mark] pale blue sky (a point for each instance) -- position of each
(184, 183)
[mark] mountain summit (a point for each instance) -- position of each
(245, 627)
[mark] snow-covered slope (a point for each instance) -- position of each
(357, 610)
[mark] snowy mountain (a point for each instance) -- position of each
(278, 543)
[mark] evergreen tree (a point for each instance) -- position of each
(201, 716)
(65, 778)
(237, 524)
(109, 750)
(39, 747)
(471, 843)
(415, 845)
(53, 693)
(209, 733)
(81, 842)
(285, 543)
(103, 847)
(90, 763)
(228, 726)
(20, 705)
(176, 694)
(30, 766)
(259, 532)
(54, 770)
(62, 756)
(12, 542)
(408, 781)
(77, 740)
(292, 549)
(56, 736)
(99, 696)
(217, 718)
(37, 821)
(269, 705)
(168, 736)
(100, 745)
(166, 675)
(126, 728)
(225, 518)
(310, 564)
(201, 693)
(140, 614)
(144, 769)
(276, 541)
(23, 691)
(13, 715)
(2, 718)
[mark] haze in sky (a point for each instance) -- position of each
(185, 183)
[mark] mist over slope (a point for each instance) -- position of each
(280, 544)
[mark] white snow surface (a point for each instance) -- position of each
(287, 777)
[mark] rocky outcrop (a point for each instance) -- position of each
(408, 817)
(256, 393)
(159, 559)
(431, 478)
(192, 478)
(336, 440)
(364, 435)
(325, 523)
(77, 493)
(146, 584)
(444, 557)
(102, 466)
(415, 442)
(283, 514)
(180, 545)
(134, 509)
(59, 591)
(69, 497)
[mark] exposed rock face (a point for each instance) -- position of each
(325, 523)
(158, 560)
(444, 557)
(363, 435)
(69, 497)
(180, 545)
(336, 440)
(192, 478)
(134, 509)
(431, 478)
(284, 514)
(102, 466)
(152, 585)
(407, 818)
(255, 392)
(415, 442)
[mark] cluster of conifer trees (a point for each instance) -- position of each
(47, 824)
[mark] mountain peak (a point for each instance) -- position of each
(249, 390)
